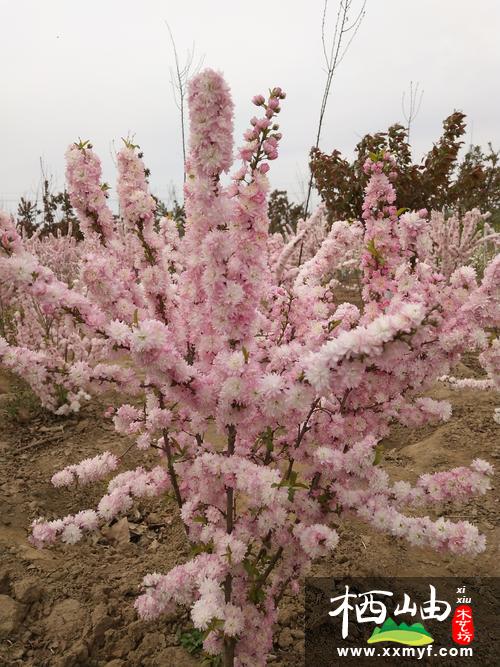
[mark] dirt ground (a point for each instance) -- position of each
(74, 605)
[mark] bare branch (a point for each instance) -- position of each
(334, 54)
(414, 103)
(179, 76)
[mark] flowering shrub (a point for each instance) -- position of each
(460, 240)
(37, 342)
(445, 243)
(60, 252)
(299, 389)
(490, 361)
(337, 247)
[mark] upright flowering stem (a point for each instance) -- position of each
(138, 208)
(87, 193)
(382, 247)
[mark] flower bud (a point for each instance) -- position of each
(263, 123)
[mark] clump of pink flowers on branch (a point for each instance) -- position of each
(299, 388)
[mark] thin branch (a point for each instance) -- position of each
(171, 470)
(333, 57)
(415, 100)
(179, 76)
(262, 579)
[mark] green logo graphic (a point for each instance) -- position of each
(411, 635)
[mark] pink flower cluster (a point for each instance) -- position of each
(264, 396)
(211, 117)
(88, 196)
(468, 383)
(88, 470)
(122, 490)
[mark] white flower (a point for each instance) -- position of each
(233, 294)
(87, 519)
(149, 335)
(232, 387)
(481, 466)
(63, 478)
(317, 372)
(236, 361)
(270, 385)
(316, 328)
(234, 620)
(71, 534)
(119, 332)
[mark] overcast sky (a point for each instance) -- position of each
(99, 69)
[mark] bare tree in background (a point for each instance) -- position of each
(179, 77)
(334, 52)
(411, 107)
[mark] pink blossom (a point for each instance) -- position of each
(263, 396)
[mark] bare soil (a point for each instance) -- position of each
(73, 606)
